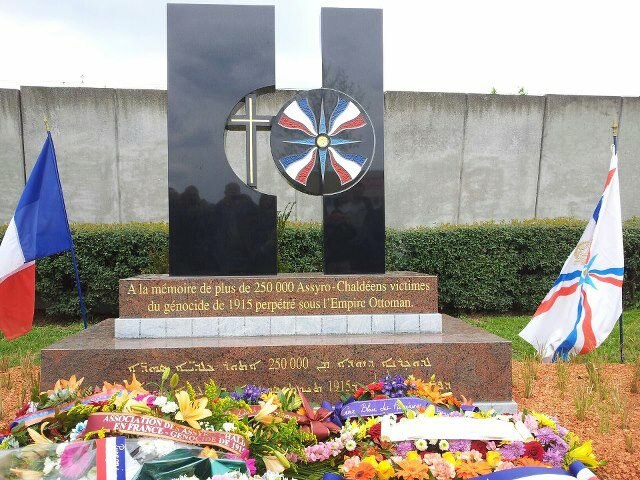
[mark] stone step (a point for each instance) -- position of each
(277, 325)
(475, 363)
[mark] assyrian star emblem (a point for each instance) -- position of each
(337, 146)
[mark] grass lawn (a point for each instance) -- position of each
(509, 326)
(40, 336)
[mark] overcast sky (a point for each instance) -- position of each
(545, 46)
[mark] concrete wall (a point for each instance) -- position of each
(11, 155)
(450, 158)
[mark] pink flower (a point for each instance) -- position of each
(504, 466)
(76, 459)
(251, 465)
(146, 398)
(349, 463)
(531, 422)
(442, 470)
(430, 458)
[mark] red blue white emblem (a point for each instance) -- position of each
(320, 156)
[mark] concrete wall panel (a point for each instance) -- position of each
(449, 157)
(423, 150)
(11, 155)
(629, 157)
(83, 128)
(575, 154)
(141, 117)
(501, 157)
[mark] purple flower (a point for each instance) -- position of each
(512, 451)
(250, 394)
(394, 387)
(554, 456)
(546, 436)
(402, 448)
(459, 445)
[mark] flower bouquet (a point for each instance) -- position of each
(393, 428)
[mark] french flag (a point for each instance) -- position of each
(39, 228)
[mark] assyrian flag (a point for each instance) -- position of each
(582, 307)
(39, 228)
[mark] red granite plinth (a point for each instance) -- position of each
(475, 363)
(161, 296)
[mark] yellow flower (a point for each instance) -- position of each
(544, 420)
(123, 398)
(385, 470)
(191, 412)
(488, 414)
(583, 453)
(413, 455)
(265, 414)
(134, 406)
(273, 397)
(371, 460)
(364, 428)
(37, 437)
(207, 452)
(430, 411)
(449, 457)
(493, 458)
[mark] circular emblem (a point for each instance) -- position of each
(322, 141)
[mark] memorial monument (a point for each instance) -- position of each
(223, 311)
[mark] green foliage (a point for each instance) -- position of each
(300, 247)
(485, 267)
(282, 437)
(105, 254)
(191, 392)
(499, 267)
(282, 221)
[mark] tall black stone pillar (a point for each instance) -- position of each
(352, 63)
(217, 54)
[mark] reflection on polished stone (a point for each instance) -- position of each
(217, 54)
(352, 63)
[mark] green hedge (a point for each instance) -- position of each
(488, 267)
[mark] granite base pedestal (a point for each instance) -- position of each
(475, 363)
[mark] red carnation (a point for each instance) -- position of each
(359, 392)
(374, 432)
(375, 387)
(534, 450)
(479, 446)
(380, 397)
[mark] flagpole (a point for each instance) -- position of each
(614, 130)
(83, 309)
